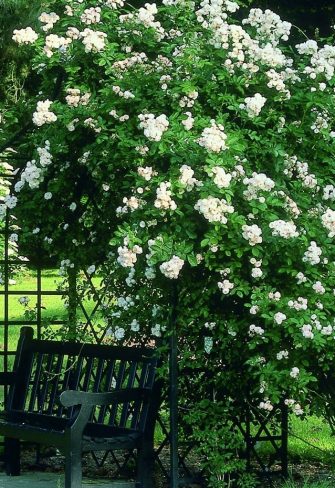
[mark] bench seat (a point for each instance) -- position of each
(28, 426)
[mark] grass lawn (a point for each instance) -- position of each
(310, 440)
(308, 484)
(311, 449)
(317, 433)
(53, 307)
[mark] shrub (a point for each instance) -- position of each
(192, 154)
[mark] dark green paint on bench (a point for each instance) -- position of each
(81, 398)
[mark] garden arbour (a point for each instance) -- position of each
(253, 427)
(211, 163)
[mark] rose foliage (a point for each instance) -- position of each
(190, 149)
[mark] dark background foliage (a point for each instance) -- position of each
(14, 72)
(309, 15)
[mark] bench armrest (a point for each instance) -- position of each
(71, 398)
(7, 378)
(87, 401)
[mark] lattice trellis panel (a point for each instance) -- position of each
(12, 267)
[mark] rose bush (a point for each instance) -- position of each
(187, 146)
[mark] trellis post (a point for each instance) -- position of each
(173, 376)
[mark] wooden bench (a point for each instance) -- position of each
(81, 398)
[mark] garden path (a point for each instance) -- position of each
(53, 480)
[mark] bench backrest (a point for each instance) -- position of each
(44, 369)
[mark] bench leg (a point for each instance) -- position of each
(12, 456)
(145, 465)
(73, 469)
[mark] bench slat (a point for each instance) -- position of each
(36, 383)
(48, 368)
(110, 370)
(54, 389)
(126, 410)
(98, 375)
